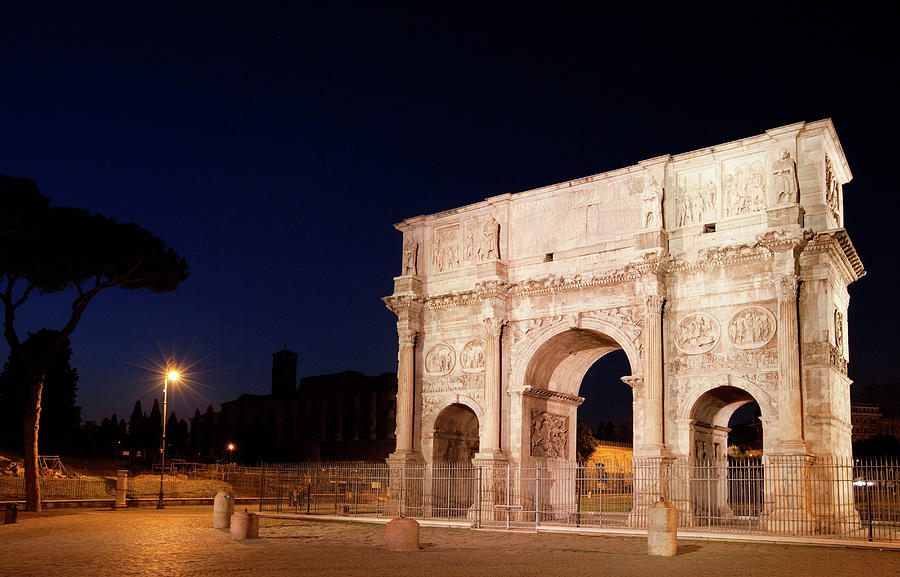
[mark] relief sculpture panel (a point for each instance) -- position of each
(744, 189)
(471, 358)
(696, 199)
(697, 333)
(440, 360)
(751, 328)
(549, 435)
(445, 249)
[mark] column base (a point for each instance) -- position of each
(407, 483)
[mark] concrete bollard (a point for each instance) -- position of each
(121, 488)
(402, 534)
(662, 535)
(244, 525)
(223, 509)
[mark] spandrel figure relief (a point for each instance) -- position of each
(751, 328)
(440, 360)
(784, 173)
(697, 333)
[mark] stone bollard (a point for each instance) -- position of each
(662, 534)
(121, 488)
(244, 525)
(402, 534)
(223, 509)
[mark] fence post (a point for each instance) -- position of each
(262, 484)
(578, 492)
(537, 495)
(478, 500)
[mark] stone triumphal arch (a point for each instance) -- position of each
(722, 273)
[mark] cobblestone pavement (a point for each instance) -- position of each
(180, 541)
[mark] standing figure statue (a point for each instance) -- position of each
(490, 240)
(652, 204)
(410, 248)
(785, 173)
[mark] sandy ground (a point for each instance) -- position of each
(180, 541)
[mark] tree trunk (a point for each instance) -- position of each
(32, 422)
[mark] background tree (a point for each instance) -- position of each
(61, 417)
(48, 249)
(585, 443)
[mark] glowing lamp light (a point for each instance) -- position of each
(173, 375)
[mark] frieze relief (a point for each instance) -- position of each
(471, 358)
(549, 435)
(751, 328)
(697, 333)
(713, 362)
(452, 383)
(440, 360)
(763, 379)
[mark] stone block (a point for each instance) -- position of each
(401, 534)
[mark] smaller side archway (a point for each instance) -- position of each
(721, 488)
(455, 435)
(455, 443)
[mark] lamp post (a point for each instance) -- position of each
(171, 375)
(230, 452)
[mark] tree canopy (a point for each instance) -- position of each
(48, 249)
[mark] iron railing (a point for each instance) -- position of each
(770, 496)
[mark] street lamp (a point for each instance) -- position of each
(171, 375)
(231, 452)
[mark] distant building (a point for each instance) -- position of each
(868, 421)
(341, 416)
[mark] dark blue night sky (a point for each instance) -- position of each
(273, 145)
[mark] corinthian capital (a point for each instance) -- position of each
(406, 335)
(654, 304)
(493, 326)
(786, 286)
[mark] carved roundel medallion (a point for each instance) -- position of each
(471, 359)
(440, 360)
(697, 333)
(751, 328)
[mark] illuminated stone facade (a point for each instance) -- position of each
(722, 273)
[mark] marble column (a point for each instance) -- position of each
(653, 442)
(493, 327)
(405, 390)
(789, 367)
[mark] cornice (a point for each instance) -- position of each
(551, 395)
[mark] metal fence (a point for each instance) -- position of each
(100, 484)
(775, 496)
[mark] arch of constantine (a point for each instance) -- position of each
(722, 273)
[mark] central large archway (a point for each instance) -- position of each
(551, 382)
